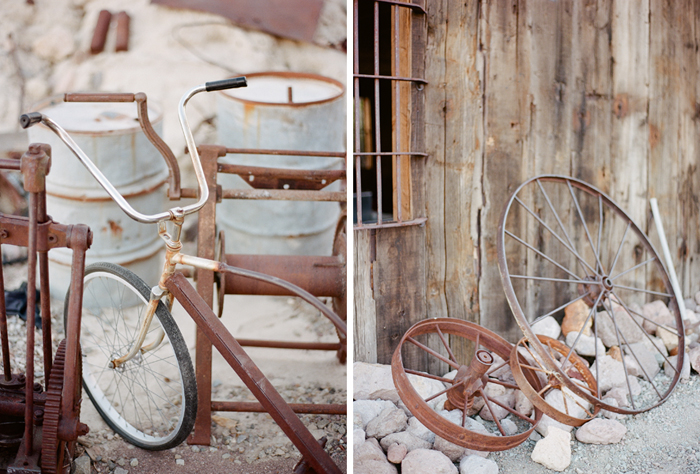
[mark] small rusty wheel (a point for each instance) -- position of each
(577, 411)
(563, 243)
(340, 249)
(467, 390)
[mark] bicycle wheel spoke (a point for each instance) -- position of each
(444, 342)
(518, 239)
(433, 353)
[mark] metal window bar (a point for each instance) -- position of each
(396, 79)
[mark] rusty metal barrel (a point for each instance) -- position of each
(281, 111)
(110, 135)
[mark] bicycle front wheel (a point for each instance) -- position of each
(150, 400)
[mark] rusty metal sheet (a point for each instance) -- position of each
(293, 19)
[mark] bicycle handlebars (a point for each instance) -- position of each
(29, 119)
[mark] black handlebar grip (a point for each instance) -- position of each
(224, 84)
(27, 120)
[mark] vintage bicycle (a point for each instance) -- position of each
(136, 367)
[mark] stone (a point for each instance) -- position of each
(225, 422)
(373, 381)
(690, 304)
(554, 450)
(633, 367)
(503, 373)
(121, 470)
(628, 329)
(134, 462)
(685, 371)
(396, 453)
(410, 441)
(81, 465)
(493, 409)
(493, 390)
(612, 373)
(585, 345)
(601, 431)
(418, 429)
(509, 426)
(369, 409)
(620, 395)
(390, 420)
(477, 465)
(655, 344)
(611, 414)
(453, 451)
(694, 358)
(670, 339)
(658, 312)
(555, 399)
(455, 417)
(358, 437)
(690, 319)
(645, 356)
(370, 450)
(575, 316)
(370, 459)
(55, 44)
(523, 405)
(615, 353)
(422, 461)
(547, 327)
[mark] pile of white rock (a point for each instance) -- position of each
(387, 435)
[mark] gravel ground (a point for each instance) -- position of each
(665, 439)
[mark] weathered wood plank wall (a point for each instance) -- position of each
(602, 90)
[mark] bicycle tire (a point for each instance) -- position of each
(151, 400)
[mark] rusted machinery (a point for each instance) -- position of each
(44, 426)
(561, 242)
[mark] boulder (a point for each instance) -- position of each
(554, 450)
(396, 453)
(418, 429)
(390, 420)
(523, 405)
(477, 465)
(369, 409)
(628, 330)
(601, 431)
(585, 345)
(369, 458)
(612, 373)
(575, 316)
(493, 409)
(694, 358)
(658, 312)
(685, 371)
(411, 442)
(422, 461)
(644, 358)
(547, 327)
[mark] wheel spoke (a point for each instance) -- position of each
(505, 384)
(518, 239)
(544, 389)
(433, 353)
(578, 336)
(556, 280)
(435, 395)
(444, 342)
(487, 402)
(640, 290)
(619, 248)
(611, 314)
(429, 376)
(540, 318)
(509, 410)
(639, 265)
(599, 264)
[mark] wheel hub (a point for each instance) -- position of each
(470, 379)
(595, 286)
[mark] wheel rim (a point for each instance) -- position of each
(561, 240)
(467, 384)
(149, 384)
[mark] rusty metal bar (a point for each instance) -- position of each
(377, 127)
(261, 151)
(308, 346)
(397, 114)
(7, 369)
(391, 153)
(249, 373)
(284, 195)
(413, 6)
(304, 408)
(320, 276)
(358, 112)
(45, 298)
(99, 37)
(9, 164)
(419, 221)
(390, 78)
(31, 305)
(123, 21)
(260, 177)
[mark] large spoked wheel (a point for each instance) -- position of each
(554, 399)
(562, 242)
(479, 386)
(150, 400)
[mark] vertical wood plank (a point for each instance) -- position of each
(364, 308)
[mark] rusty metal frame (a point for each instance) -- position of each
(61, 420)
(395, 78)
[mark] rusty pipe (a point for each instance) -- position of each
(99, 37)
(305, 408)
(309, 346)
(122, 32)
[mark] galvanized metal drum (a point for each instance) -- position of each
(281, 111)
(110, 135)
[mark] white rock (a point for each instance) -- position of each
(396, 453)
(82, 465)
(645, 356)
(423, 461)
(554, 450)
(455, 416)
(691, 317)
(358, 438)
(407, 439)
(54, 45)
(656, 344)
(369, 409)
(547, 327)
(620, 395)
(390, 420)
(369, 450)
(453, 451)
(633, 367)
(697, 298)
(477, 465)
(418, 429)
(694, 358)
(555, 399)
(523, 405)
(612, 373)
(658, 312)
(625, 325)
(509, 426)
(586, 345)
(601, 431)
(373, 381)
(372, 466)
(670, 339)
(494, 390)
(493, 409)
(685, 371)
(611, 414)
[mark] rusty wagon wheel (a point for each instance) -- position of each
(554, 399)
(562, 242)
(467, 390)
